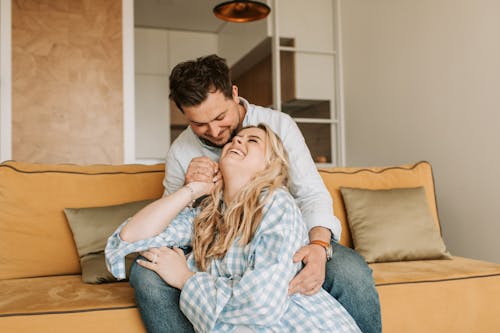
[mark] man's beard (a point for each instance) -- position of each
(211, 144)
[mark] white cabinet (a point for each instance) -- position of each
(152, 119)
(157, 51)
(151, 51)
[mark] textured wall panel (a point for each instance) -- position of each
(67, 96)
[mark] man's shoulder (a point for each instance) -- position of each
(187, 146)
(280, 122)
(260, 113)
(185, 143)
(186, 136)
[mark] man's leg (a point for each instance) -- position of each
(349, 280)
(158, 302)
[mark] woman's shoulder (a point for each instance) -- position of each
(281, 215)
(280, 203)
(279, 197)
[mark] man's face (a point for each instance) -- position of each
(216, 119)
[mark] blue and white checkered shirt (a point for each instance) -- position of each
(249, 286)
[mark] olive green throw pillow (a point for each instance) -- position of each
(91, 227)
(392, 225)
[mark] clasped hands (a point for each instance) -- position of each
(202, 169)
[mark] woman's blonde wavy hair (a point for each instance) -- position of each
(216, 230)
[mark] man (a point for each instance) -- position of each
(203, 91)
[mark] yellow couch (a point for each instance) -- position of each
(41, 288)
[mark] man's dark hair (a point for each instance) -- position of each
(191, 81)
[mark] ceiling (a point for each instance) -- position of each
(191, 15)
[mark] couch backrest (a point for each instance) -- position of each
(35, 239)
(415, 175)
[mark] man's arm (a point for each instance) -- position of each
(306, 185)
(316, 206)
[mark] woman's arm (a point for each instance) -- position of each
(177, 234)
(148, 228)
(259, 297)
(155, 217)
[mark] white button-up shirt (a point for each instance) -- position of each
(306, 184)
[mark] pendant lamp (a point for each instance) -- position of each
(241, 11)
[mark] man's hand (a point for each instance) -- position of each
(311, 277)
(169, 264)
(202, 169)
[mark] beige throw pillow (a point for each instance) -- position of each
(91, 227)
(392, 225)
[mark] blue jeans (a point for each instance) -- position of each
(348, 279)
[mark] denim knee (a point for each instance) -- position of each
(347, 266)
(139, 273)
(156, 299)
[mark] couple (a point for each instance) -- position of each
(228, 259)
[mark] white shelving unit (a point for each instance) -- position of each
(314, 26)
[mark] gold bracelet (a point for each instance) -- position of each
(191, 192)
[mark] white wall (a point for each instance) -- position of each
(422, 82)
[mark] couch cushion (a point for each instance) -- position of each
(392, 225)
(458, 295)
(35, 239)
(95, 321)
(420, 271)
(411, 175)
(91, 227)
(65, 304)
(61, 294)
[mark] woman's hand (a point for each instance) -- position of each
(169, 264)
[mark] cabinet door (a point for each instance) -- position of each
(157, 51)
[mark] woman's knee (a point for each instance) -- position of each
(141, 277)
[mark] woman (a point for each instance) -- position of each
(243, 238)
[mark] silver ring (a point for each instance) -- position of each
(155, 258)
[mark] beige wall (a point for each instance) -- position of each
(67, 100)
(422, 82)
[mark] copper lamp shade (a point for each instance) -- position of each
(241, 11)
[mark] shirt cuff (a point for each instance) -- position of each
(330, 222)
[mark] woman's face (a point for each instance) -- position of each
(246, 152)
